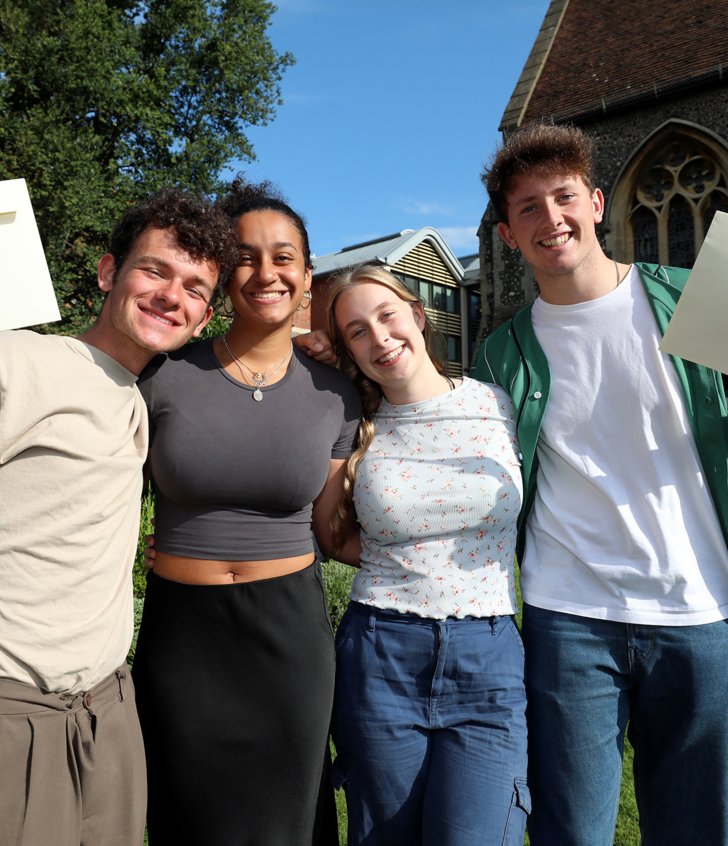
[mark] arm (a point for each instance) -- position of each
(324, 509)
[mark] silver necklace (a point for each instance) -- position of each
(257, 378)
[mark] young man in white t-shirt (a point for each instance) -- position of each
(624, 562)
(73, 439)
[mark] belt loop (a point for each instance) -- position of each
(87, 700)
(493, 625)
(120, 676)
(372, 622)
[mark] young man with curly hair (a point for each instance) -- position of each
(73, 439)
(624, 565)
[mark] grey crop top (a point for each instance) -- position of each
(235, 479)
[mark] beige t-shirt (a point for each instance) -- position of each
(73, 439)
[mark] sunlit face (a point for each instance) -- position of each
(551, 220)
(383, 335)
(158, 299)
(271, 278)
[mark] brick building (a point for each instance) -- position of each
(649, 81)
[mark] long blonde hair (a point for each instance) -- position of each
(344, 521)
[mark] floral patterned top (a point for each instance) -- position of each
(437, 495)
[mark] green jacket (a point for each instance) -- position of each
(513, 358)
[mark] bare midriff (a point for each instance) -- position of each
(204, 571)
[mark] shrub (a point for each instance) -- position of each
(337, 582)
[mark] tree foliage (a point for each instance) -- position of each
(103, 101)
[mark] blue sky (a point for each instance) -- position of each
(390, 112)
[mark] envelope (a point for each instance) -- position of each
(697, 330)
(26, 290)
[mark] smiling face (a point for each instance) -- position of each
(383, 335)
(156, 301)
(551, 220)
(269, 283)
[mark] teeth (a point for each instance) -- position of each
(556, 242)
(158, 317)
(390, 356)
(269, 295)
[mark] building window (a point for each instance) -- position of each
(716, 202)
(425, 290)
(681, 233)
(474, 315)
(644, 229)
(668, 196)
(445, 298)
(433, 295)
(409, 281)
(453, 348)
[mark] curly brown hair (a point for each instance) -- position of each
(199, 227)
(541, 149)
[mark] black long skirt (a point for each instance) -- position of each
(234, 691)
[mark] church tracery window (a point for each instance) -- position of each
(677, 187)
(644, 230)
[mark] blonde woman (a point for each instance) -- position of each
(429, 709)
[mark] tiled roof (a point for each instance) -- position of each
(471, 268)
(387, 250)
(593, 56)
(513, 115)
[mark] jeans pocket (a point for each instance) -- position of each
(522, 795)
(516, 635)
(519, 810)
(342, 629)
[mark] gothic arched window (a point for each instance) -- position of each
(680, 233)
(717, 201)
(644, 229)
(667, 196)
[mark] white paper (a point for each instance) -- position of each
(26, 290)
(697, 330)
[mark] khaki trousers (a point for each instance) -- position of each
(73, 771)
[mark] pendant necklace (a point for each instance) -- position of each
(257, 378)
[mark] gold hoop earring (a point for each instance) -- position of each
(307, 297)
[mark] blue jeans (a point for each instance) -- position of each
(590, 681)
(429, 726)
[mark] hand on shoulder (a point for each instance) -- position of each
(317, 345)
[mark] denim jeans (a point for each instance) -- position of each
(429, 726)
(590, 681)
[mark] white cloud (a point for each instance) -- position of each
(424, 208)
(460, 237)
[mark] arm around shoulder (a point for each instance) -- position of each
(324, 509)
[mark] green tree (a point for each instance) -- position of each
(103, 101)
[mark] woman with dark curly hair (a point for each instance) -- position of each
(234, 666)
